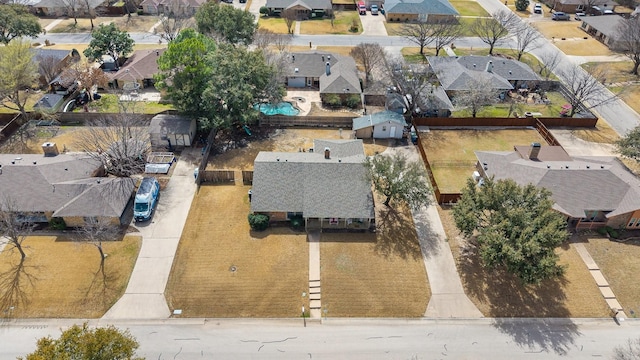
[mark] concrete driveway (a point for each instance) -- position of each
(144, 297)
(373, 24)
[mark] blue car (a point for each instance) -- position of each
(146, 199)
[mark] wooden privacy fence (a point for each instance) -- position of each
(506, 122)
(247, 177)
(12, 125)
(441, 198)
(84, 117)
(217, 176)
(205, 155)
(307, 121)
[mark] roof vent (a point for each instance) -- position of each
(588, 167)
(339, 160)
(329, 57)
(486, 168)
(13, 162)
(277, 159)
(566, 166)
(548, 166)
(474, 65)
(296, 70)
(34, 163)
(293, 58)
(327, 153)
(509, 72)
(98, 181)
(601, 166)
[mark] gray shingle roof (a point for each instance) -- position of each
(308, 4)
(309, 183)
(608, 25)
(48, 101)
(378, 118)
(50, 53)
(578, 185)
(142, 64)
(439, 7)
(60, 4)
(343, 77)
(170, 124)
(60, 181)
(454, 73)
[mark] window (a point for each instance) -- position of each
(384, 128)
(333, 221)
(291, 215)
(90, 219)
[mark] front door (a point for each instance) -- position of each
(392, 133)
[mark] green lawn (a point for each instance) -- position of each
(502, 110)
(31, 101)
(469, 8)
(109, 103)
(342, 25)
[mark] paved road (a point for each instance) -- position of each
(352, 338)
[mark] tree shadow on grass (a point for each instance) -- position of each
(16, 284)
(101, 288)
(396, 234)
(507, 298)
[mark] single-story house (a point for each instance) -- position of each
(329, 73)
(455, 72)
(326, 186)
(172, 130)
(304, 9)
(58, 8)
(63, 186)
(602, 28)
(178, 7)
(591, 191)
(139, 69)
(419, 10)
(51, 63)
(381, 125)
(574, 6)
(434, 102)
(49, 102)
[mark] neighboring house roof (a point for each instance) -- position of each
(171, 3)
(608, 25)
(58, 55)
(439, 7)
(62, 184)
(308, 4)
(61, 4)
(455, 73)
(142, 64)
(378, 118)
(604, 3)
(49, 101)
(170, 124)
(577, 184)
(306, 182)
(435, 97)
(343, 72)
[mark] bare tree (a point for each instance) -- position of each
(445, 32)
(173, 20)
(15, 225)
(628, 40)
(91, 12)
(418, 33)
(494, 30)
(411, 81)
(87, 76)
(289, 16)
(265, 38)
(479, 93)
(526, 38)
(72, 7)
(15, 285)
(586, 89)
(97, 231)
(548, 63)
(120, 143)
(629, 351)
(370, 56)
(48, 67)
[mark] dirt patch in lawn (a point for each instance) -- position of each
(375, 275)
(62, 278)
(500, 294)
(619, 265)
(241, 155)
(451, 152)
(222, 269)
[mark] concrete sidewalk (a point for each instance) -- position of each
(144, 297)
(448, 299)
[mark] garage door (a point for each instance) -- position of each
(296, 82)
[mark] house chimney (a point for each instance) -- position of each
(489, 66)
(535, 150)
(327, 153)
(328, 68)
(328, 57)
(50, 149)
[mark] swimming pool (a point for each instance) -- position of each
(283, 108)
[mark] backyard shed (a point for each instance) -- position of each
(171, 130)
(381, 125)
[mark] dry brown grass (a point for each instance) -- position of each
(582, 47)
(137, 23)
(340, 50)
(66, 281)
(451, 152)
(271, 267)
(284, 140)
(559, 29)
(602, 133)
(500, 294)
(619, 265)
(375, 275)
(275, 24)
(341, 25)
(63, 136)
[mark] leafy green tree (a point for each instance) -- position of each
(332, 100)
(353, 101)
(185, 71)
(521, 5)
(239, 79)
(18, 72)
(17, 21)
(109, 40)
(629, 145)
(515, 227)
(264, 10)
(82, 342)
(226, 23)
(399, 179)
(258, 222)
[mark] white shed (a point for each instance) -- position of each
(382, 125)
(174, 130)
